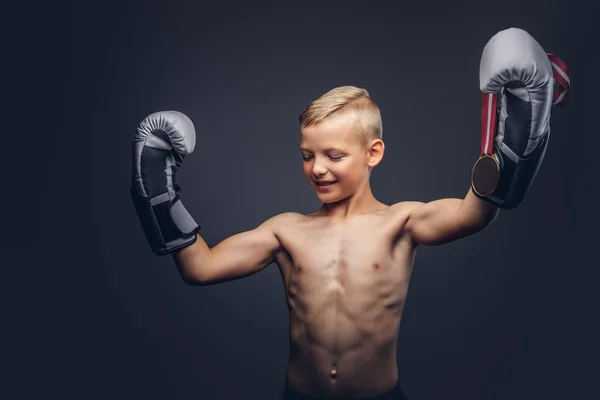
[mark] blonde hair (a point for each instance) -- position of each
(347, 101)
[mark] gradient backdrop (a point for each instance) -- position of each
(90, 313)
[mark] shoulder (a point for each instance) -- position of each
(400, 214)
(283, 227)
(397, 214)
(282, 220)
(405, 207)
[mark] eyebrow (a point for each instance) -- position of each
(325, 151)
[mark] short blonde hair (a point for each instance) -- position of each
(354, 102)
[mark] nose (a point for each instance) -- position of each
(319, 168)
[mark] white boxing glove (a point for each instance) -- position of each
(160, 143)
(517, 81)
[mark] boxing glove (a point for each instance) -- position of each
(160, 143)
(517, 82)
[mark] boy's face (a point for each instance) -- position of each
(334, 160)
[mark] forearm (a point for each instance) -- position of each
(475, 212)
(193, 260)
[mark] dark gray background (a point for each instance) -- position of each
(89, 312)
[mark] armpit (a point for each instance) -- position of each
(399, 214)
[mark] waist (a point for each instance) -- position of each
(359, 373)
(292, 392)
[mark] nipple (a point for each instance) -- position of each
(333, 373)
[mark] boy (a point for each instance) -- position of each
(346, 266)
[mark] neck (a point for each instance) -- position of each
(361, 202)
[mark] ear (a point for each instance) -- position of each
(375, 152)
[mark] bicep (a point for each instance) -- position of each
(242, 254)
(436, 222)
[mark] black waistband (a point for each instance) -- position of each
(292, 394)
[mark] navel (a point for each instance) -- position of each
(333, 373)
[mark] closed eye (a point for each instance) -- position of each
(332, 158)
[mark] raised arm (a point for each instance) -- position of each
(160, 144)
(445, 220)
(240, 255)
(517, 79)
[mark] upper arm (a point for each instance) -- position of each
(242, 254)
(445, 220)
(434, 223)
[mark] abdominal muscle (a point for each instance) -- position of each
(345, 310)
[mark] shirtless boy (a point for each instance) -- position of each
(346, 266)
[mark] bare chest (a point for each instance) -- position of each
(349, 256)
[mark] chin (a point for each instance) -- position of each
(330, 198)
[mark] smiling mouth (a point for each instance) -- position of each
(325, 184)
